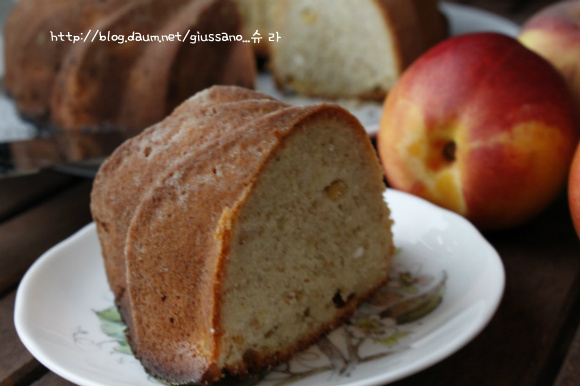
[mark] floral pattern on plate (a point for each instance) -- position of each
(380, 327)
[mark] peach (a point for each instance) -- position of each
(574, 191)
(482, 126)
(554, 33)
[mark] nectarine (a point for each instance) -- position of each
(574, 191)
(554, 33)
(482, 126)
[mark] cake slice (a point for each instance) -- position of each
(245, 243)
(349, 49)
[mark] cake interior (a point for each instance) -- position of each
(312, 239)
(360, 60)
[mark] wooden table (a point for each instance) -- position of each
(534, 338)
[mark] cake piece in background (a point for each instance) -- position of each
(32, 57)
(105, 84)
(350, 49)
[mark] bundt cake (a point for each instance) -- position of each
(239, 230)
(96, 83)
(351, 49)
(32, 60)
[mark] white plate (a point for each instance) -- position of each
(439, 253)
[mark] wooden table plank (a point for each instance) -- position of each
(51, 379)
(17, 365)
(25, 237)
(570, 372)
(18, 193)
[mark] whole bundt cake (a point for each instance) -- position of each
(337, 49)
(239, 230)
(94, 83)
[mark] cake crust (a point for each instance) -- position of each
(142, 163)
(182, 236)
